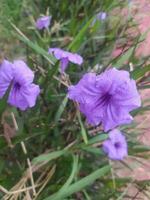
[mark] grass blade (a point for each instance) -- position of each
(81, 184)
(61, 109)
(78, 40)
(69, 180)
(140, 72)
(49, 156)
(83, 131)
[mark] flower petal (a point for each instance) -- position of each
(64, 64)
(22, 73)
(24, 97)
(115, 116)
(75, 58)
(43, 22)
(85, 90)
(127, 96)
(6, 76)
(60, 54)
(31, 93)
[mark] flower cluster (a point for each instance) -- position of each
(18, 77)
(106, 99)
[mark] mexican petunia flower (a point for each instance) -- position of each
(106, 98)
(65, 57)
(43, 22)
(101, 16)
(115, 146)
(19, 78)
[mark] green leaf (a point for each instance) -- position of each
(140, 72)
(86, 195)
(94, 150)
(49, 156)
(81, 184)
(69, 180)
(72, 175)
(140, 110)
(124, 57)
(61, 109)
(83, 131)
(141, 148)
(144, 86)
(78, 40)
(98, 138)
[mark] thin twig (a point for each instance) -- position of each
(25, 152)
(14, 121)
(16, 191)
(49, 175)
(31, 176)
(56, 78)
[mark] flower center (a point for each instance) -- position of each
(117, 145)
(105, 99)
(17, 86)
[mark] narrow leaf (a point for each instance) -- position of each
(48, 157)
(83, 131)
(61, 109)
(140, 72)
(124, 57)
(78, 40)
(81, 184)
(69, 180)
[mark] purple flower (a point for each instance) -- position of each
(65, 57)
(19, 78)
(101, 16)
(43, 22)
(115, 146)
(106, 98)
